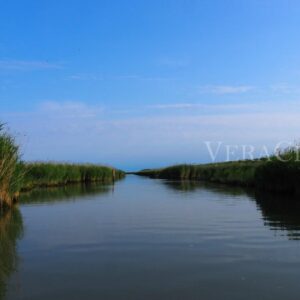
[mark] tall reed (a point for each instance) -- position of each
(16, 175)
(278, 173)
(41, 174)
(11, 171)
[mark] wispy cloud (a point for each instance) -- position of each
(143, 78)
(79, 131)
(173, 63)
(285, 88)
(23, 65)
(85, 77)
(174, 106)
(69, 109)
(225, 89)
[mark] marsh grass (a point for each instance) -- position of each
(11, 169)
(278, 173)
(16, 175)
(241, 172)
(55, 174)
(281, 173)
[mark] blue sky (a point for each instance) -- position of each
(144, 83)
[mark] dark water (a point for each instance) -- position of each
(150, 239)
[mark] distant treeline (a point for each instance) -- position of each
(279, 173)
(16, 175)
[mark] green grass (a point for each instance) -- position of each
(11, 168)
(53, 174)
(241, 172)
(16, 176)
(274, 174)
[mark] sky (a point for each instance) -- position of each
(139, 84)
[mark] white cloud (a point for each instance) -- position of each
(87, 77)
(225, 89)
(285, 88)
(69, 109)
(197, 106)
(22, 65)
(143, 78)
(175, 106)
(174, 63)
(76, 131)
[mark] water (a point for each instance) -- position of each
(150, 239)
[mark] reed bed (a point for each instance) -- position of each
(11, 169)
(16, 176)
(279, 173)
(54, 174)
(231, 172)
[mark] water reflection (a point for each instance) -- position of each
(149, 238)
(280, 213)
(69, 193)
(11, 229)
(193, 186)
(11, 224)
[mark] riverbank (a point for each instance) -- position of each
(17, 176)
(58, 174)
(39, 175)
(275, 174)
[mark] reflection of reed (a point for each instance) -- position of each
(64, 193)
(11, 229)
(279, 212)
(192, 186)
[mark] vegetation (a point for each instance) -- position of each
(11, 169)
(279, 173)
(55, 174)
(11, 230)
(240, 172)
(16, 176)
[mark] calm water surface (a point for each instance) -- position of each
(150, 239)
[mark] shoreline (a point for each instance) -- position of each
(49, 174)
(270, 176)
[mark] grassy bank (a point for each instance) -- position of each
(11, 169)
(34, 175)
(16, 176)
(55, 174)
(278, 174)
